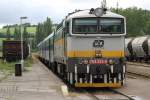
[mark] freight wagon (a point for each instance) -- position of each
(138, 48)
(12, 50)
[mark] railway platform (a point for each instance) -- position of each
(36, 84)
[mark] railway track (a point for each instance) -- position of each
(139, 64)
(102, 93)
(114, 92)
(123, 94)
(139, 69)
(135, 75)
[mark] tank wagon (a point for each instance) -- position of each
(12, 50)
(138, 48)
(87, 48)
(128, 49)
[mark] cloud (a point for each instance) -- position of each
(38, 10)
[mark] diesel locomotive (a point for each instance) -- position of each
(87, 48)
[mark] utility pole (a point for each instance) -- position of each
(117, 10)
(103, 4)
(21, 26)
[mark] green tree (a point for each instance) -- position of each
(43, 30)
(48, 26)
(16, 34)
(138, 20)
(39, 33)
(8, 33)
(25, 34)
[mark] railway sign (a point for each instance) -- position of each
(98, 43)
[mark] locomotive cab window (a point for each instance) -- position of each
(85, 26)
(98, 26)
(108, 25)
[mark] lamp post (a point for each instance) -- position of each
(22, 61)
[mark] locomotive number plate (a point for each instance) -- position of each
(98, 61)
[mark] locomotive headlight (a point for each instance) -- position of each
(98, 53)
(85, 61)
(99, 12)
(110, 61)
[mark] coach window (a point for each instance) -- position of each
(85, 26)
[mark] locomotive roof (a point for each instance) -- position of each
(85, 13)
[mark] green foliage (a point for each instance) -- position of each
(8, 33)
(34, 45)
(28, 62)
(38, 35)
(48, 26)
(7, 67)
(138, 20)
(0, 51)
(17, 34)
(25, 34)
(43, 30)
(31, 30)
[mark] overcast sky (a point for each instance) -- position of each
(38, 10)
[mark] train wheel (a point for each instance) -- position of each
(63, 71)
(59, 69)
(49, 65)
(55, 67)
(70, 78)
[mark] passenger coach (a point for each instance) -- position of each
(87, 48)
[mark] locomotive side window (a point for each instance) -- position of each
(111, 26)
(67, 27)
(85, 26)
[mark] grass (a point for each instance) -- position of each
(2, 30)
(1, 54)
(28, 64)
(1, 39)
(31, 30)
(9, 67)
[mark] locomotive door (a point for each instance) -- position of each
(65, 32)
